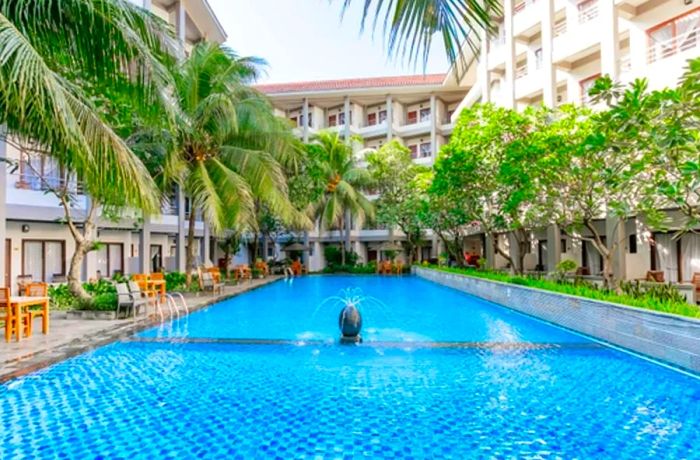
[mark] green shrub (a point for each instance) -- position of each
(175, 281)
(333, 255)
(103, 293)
(664, 298)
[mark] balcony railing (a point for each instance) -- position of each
(664, 49)
(521, 71)
(559, 28)
(31, 181)
(522, 5)
(625, 63)
(587, 12)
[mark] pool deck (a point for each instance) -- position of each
(71, 337)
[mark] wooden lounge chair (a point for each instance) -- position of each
(207, 283)
(655, 276)
(398, 268)
(38, 290)
(129, 300)
(263, 267)
(242, 272)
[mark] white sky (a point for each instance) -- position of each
(306, 40)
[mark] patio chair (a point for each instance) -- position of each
(157, 276)
(6, 317)
(127, 300)
(38, 290)
(207, 283)
(22, 281)
(655, 276)
(149, 296)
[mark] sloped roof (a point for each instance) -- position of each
(352, 83)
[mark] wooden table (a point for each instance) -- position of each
(159, 287)
(18, 303)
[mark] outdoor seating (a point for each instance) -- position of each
(262, 266)
(655, 276)
(7, 315)
(156, 282)
(17, 317)
(207, 283)
(22, 282)
(398, 268)
(242, 271)
(38, 290)
(298, 268)
(215, 273)
(128, 300)
(696, 282)
(384, 267)
(149, 295)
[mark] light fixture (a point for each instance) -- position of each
(25, 228)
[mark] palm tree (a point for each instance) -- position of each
(410, 25)
(53, 57)
(228, 148)
(342, 198)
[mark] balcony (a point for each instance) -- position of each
(446, 127)
(587, 11)
(660, 50)
(413, 129)
(526, 20)
(376, 130)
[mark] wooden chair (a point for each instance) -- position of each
(157, 276)
(696, 282)
(215, 273)
(207, 283)
(242, 271)
(655, 276)
(298, 268)
(38, 290)
(11, 323)
(263, 267)
(22, 282)
(398, 268)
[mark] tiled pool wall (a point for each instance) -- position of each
(670, 338)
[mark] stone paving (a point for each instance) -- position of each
(70, 337)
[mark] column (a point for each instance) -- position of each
(553, 247)
(484, 77)
(346, 109)
(180, 250)
(206, 243)
(509, 86)
(305, 253)
(433, 125)
(615, 236)
(305, 118)
(3, 206)
(145, 246)
(489, 252)
(610, 41)
(389, 118)
(181, 21)
(549, 90)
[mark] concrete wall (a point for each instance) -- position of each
(670, 338)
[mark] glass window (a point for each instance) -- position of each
(414, 151)
(538, 58)
(412, 117)
(332, 120)
(676, 35)
(425, 150)
(43, 259)
(341, 118)
(424, 115)
(382, 116)
(371, 119)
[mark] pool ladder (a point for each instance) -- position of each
(175, 302)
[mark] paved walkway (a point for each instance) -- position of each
(70, 337)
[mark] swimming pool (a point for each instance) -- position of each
(440, 375)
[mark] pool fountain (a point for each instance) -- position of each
(350, 318)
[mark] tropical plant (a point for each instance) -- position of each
(410, 25)
(53, 82)
(230, 245)
(228, 148)
(342, 198)
(399, 183)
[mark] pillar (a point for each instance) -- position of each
(433, 125)
(509, 87)
(489, 252)
(484, 76)
(145, 246)
(3, 206)
(346, 109)
(553, 246)
(206, 245)
(610, 41)
(305, 117)
(181, 21)
(180, 245)
(389, 118)
(549, 90)
(615, 236)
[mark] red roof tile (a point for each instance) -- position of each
(353, 83)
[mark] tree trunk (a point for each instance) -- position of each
(342, 241)
(74, 271)
(348, 229)
(190, 262)
(499, 251)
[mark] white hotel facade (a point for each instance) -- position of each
(545, 52)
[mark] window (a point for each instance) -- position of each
(412, 117)
(294, 121)
(538, 58)
(301, 120)
(632, 244)
(424, 115)
(382, 116)
(563, 245)
(341, 118)
(449, 115)
(586, 86)
(674, 36)
(39, 172)
(414, 151)
(110, 259)
(425, 150)
(332, 120)
(156, 257)
(371, 119)
(43, 259)
(587, 10)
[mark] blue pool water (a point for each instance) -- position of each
(473, 380)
